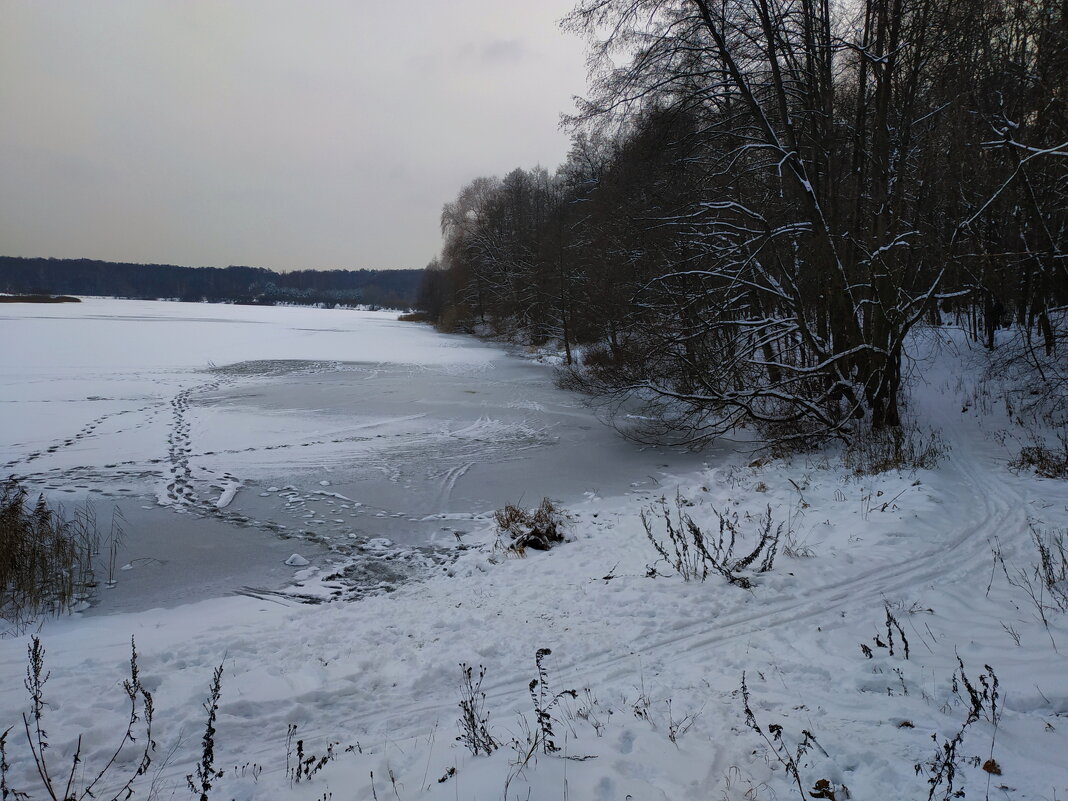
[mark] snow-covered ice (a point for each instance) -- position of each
(202, 412)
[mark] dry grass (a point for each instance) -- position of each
(129, 760)
(903, 447)
(1045, 461)
(46, 560)
(452, 319)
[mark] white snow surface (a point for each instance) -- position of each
(656, 662)
(220, 431)
(94, 334)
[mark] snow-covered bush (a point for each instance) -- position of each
(539, 528)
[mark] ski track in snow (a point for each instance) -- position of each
(966, 552)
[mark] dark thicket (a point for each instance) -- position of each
(764, 198)
(393, 288)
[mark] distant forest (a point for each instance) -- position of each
(391, 288)
(763, 199)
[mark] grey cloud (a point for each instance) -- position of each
(266, 132)
(503, 51)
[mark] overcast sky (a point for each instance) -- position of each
(273, 133)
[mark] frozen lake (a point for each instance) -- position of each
(232, 436)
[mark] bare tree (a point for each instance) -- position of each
(817, 240)
(764, 197)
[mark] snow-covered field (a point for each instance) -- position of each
(657, 663)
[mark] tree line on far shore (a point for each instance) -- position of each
(389, 288)
(762, 199)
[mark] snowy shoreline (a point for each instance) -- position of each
(656, 662)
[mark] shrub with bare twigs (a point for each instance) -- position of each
(694, 553)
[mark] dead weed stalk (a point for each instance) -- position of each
(695, 554)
